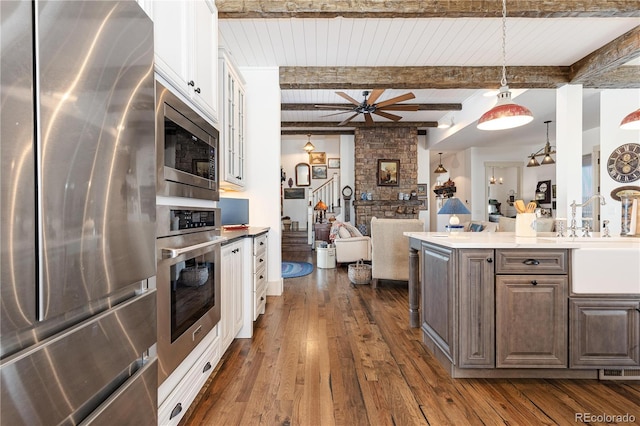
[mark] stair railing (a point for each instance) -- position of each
(328, 192)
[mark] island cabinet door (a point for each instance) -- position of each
(604, 333)
(531, 321)
(438, 298)
(476, 308)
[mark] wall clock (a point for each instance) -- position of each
(624, 163)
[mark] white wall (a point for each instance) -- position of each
(614, 106)
(424, 176)
(263, 162)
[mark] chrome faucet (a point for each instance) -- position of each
(573, 227)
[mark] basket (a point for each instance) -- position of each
(360, 273)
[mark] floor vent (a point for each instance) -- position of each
(619, 374)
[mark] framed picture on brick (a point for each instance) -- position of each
(388, 172)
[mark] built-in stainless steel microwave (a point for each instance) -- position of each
(187, 150)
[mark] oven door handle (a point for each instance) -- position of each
(170, 253)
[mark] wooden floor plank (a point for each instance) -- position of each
(328, 352)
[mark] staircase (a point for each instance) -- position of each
(295, 241)
(329, 195)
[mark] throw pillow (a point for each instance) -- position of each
(476, 227)
(353, 231)
(343, 232)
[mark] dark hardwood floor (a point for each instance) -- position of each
(330, 353)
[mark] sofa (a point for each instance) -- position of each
(479, 226)
(390, 248)
(350, 244)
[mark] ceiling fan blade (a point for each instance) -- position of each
(387, 115)
(397, 99)
(367, 118)
(348, 120)
(336, 107)
(349, 98)
(375, 94)
(336, 113)
(400, 107)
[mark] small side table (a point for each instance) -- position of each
(322, 231)
(326, 257)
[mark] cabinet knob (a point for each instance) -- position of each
(534, 282)
(206, 367)
(261, 277)
(531, 262)
(261, 260)
(261, 299)
(176, 410)
(191, 83)
(489, 260)
(197, 90)
(238, 177)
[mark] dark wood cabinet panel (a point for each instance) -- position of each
(476, 309)
(438, 297)
(519, 261)
(604, 333)
(531, 321)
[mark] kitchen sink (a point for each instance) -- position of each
(606, 270)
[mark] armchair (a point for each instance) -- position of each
(350, 244)
(390, 248)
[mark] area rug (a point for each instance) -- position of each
(296, 269)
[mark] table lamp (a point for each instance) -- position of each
(322, 207)
(454, 206)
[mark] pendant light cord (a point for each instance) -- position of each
(503, 81)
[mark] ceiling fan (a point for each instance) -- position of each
(369, 106)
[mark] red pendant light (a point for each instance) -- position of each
(631, 121)
(506, 114)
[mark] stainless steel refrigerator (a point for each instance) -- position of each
(77, 148)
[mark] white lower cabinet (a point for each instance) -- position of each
(178, 391)
(260, 245)
(231, 292)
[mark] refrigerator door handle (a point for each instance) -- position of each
(170, 253)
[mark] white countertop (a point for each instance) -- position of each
(509, 240)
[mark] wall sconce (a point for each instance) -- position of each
(631, 121)
(545, 152)
(309, 146)
(440, 169)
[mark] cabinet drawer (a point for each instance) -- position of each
(260, 298)
(178, 402)
(259, 261)
(531, 261)
(260, 245)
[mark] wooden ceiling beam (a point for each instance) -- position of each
(421, 107)
(608, 58)
(329, 132)
(276, 9)
(320, 124)
(453, 77)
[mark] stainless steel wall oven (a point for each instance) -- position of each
(188, 281)
(187, 160)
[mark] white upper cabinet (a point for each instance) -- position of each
(186, 42)
(233, 124)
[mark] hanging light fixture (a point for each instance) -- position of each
(492, 180)
(309, 146)
(631, 121)
(506, 114)
(440, 169)
(545, 152)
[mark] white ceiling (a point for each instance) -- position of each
(425, 42)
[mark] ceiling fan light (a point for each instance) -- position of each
(533, 162)
(506, 114)
(631, 121)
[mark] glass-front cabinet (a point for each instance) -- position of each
(233, 146)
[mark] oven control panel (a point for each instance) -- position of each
(188, 219)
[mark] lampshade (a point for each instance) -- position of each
(532, 161)
(631, 121)
(506, 114)
(454, 206)
(320, 206)
(309, 146)
(440, 169)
